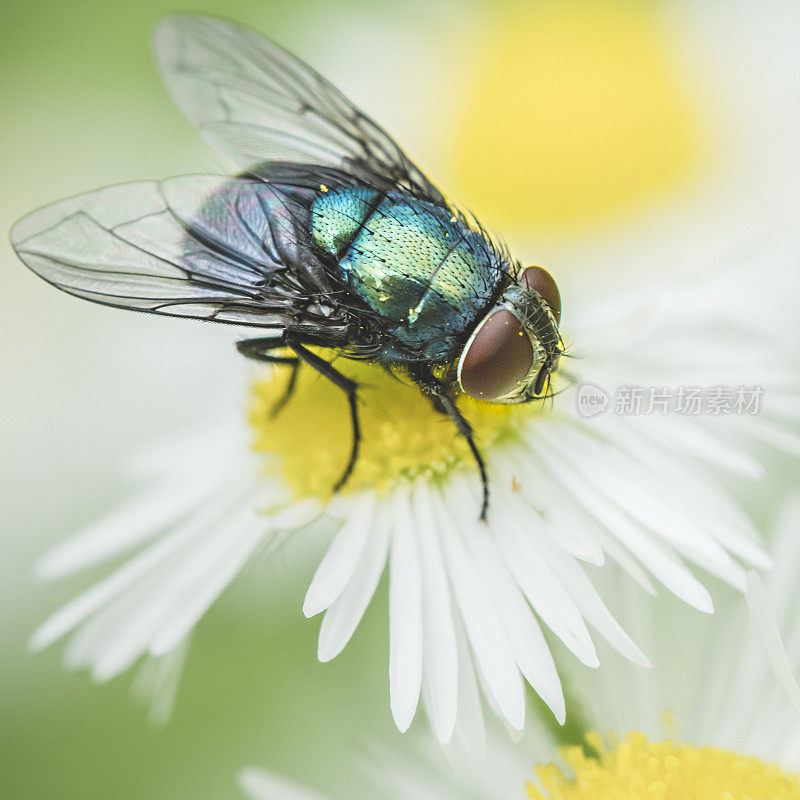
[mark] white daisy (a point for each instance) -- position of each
(467, 600)
(697, 727)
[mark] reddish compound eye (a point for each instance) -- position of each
(540, 280)
(497, 357)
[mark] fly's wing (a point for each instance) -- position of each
(196, 246)
(255, 102)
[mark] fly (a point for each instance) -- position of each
(330, 238)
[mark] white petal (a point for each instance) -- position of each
(618, 479)
(588, 601)
(539, 583)
(263, 785)
(92, 640)
(342, 618)
(469, 735)
(295, 515)
(490, 646)
(771, 433)
(339, 563)
(782, 405)
(627, 563)
(684, 483)
(785, 548)
(99, 595)
(157, 682)
(405, 615)
(573, 530)
(439, 655)
(770, 637)
(208, 585)
(528, 645)
(666, 567)
(135, 521)
(689, 436)
(170, 594)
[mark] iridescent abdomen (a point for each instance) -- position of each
(420, 268)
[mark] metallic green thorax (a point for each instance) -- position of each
(428, 276)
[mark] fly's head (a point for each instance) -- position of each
(515, 348)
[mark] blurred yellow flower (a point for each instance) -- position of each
(576, 115)
(639, 768)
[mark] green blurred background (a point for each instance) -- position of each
(596, 134)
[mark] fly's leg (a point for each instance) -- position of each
(349, 387)
(281, 402)
(259, 350)
(444, 404)
(438, 407)
(465, 429)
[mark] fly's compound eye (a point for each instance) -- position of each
(496, 358)
(540, 280)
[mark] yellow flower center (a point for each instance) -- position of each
(638, 769)
(402, 436)
(576, 114)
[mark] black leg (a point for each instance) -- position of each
(259, 350)
(348, 386)
(281, 402)
(444, 404)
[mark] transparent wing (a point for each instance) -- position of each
(196, 246)
(255, 102)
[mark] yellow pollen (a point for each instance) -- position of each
(638, 769)
(402, 436)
